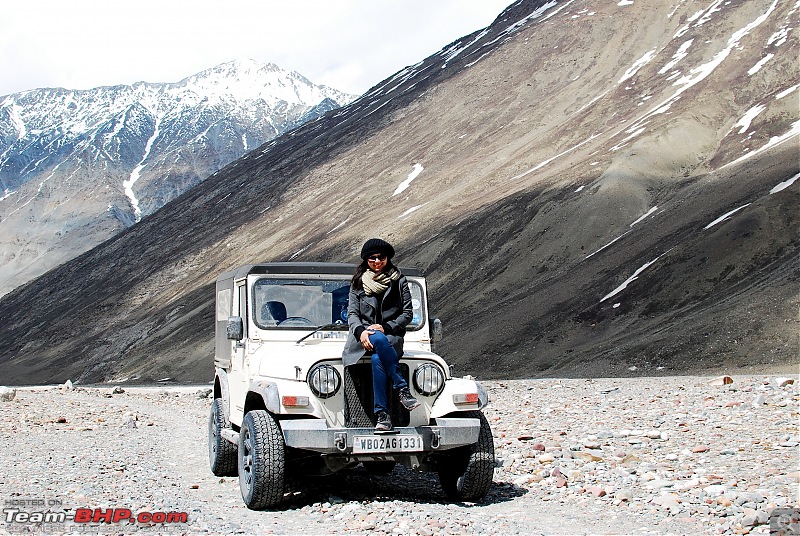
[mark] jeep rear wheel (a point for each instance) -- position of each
(221, 452)
(262, 457)
(466, 473)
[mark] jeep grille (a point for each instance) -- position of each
(358, 408)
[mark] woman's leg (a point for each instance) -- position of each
(385, 370)
(389, 358)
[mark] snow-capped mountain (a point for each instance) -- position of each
(76, 167)
(594, 188)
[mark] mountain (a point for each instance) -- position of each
(593, 188)
(77, 167)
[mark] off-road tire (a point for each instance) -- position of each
(262, 461)
(221, 452)
(465, 473)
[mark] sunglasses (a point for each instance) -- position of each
(376, 258)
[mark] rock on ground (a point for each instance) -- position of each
(616, 456)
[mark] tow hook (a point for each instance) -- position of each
(340, 441)
(435, 438)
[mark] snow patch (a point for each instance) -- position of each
(748, 117)
(643, 217)
(604, 247)
(757, 67)
(638, 64)
(773, 142)
(630, 280)
(409, 211)
(338, 226)
(544, 163)
(681, 53)
(411, 176)
(725, 217)
(786, 92)
(128, 184)
(785, 184)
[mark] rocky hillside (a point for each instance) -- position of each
(76, 167)
(593, 189)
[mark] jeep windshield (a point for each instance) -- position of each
(312, 302)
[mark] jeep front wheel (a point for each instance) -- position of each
(262, 460)
(221, 452)
(466, 473)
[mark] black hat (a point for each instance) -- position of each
(376, 245)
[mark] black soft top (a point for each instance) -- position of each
(335, 268)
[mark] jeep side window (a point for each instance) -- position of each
(418, 319)
(242, 289)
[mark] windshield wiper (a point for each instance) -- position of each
(326, 326)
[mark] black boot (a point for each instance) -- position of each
(407, 399)
(384, 423)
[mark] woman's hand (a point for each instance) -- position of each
(365, 342)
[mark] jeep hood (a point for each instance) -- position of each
(292, 361)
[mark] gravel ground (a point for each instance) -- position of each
(640, 456)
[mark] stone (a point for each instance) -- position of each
(624, 494)
(546, 457)
(759, 400)
(783, 382)
(667, 501)
(700, 448)
(660, 483)
(724, 501)
(715, 489)
(721, 380)
(7, 394)
(586, 456)
(597, 491)
(539, 446)
(67, 386)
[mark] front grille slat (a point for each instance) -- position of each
(358, 408)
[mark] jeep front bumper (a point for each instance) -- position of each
(315, 435)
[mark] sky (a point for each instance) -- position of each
(349, 45)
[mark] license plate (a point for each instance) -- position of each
(393, 443)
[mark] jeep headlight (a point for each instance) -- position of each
(428, 379)
(324, 381)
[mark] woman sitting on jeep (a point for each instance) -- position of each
(378, 311)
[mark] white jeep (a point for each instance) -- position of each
(285, 405)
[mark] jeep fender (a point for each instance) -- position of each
(272, 390)
(451, 399)
(222, 390)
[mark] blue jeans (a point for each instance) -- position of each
(385, 367)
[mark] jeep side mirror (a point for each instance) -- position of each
(438, 330)
(235, 328)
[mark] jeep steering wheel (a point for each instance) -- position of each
(296, 321)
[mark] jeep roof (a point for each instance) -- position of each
(336, 268)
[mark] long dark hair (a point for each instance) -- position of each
(363, 267)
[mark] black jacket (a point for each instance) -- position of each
(392, 310)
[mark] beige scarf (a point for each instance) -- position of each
(377, 283)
